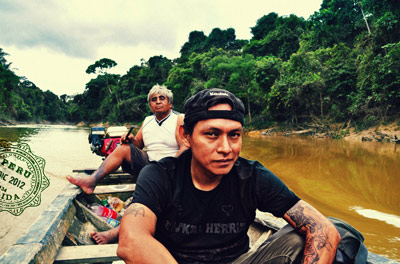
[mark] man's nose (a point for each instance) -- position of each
(224, 146)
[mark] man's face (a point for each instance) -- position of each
(159, 104)
(215, 144)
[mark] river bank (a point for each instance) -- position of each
(6, 122)
(380, 133)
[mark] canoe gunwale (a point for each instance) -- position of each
(40, 243)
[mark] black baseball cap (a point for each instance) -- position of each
(196, 107)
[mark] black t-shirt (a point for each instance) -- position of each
(208, 226)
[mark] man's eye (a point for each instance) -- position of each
(235, 135)
(161, 98)
(210, 134)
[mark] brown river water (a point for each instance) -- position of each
(358, 182)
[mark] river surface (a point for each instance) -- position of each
(358, 182)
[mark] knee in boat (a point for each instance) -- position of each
(126, 148)
(123, 150)
(289, 243)
(295, 243)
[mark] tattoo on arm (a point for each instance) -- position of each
(316, 237)
(135, 209)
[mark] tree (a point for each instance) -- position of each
(300, 86)
(224, 39)
(179, 81)
(315, 86)
(195, 43)
(276, 36)
(378, 82)
(52, 108)
(96, 101)
(101, 66)
(236, 74)
(337, 21)
(384, 19)
(186, 78)
(264, 26)
(3, 60)
(365, 18)
(199, 43)
(9, 82)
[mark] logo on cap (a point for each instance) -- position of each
(219, 93)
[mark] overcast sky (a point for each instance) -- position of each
(52, 42)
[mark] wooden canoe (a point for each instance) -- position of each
(62, 233)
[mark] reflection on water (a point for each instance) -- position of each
(388, 218)
(17, 134)
(358, 182)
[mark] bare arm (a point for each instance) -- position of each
(182, 146)
(321, 236)
(135, 140)
(136, 238)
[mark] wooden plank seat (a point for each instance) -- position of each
(87, 254)
(110, 189)
(108, 253)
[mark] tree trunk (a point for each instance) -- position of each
(322, 104)
(110, 91)
(244, 86)
(365, 19)
(248, 106)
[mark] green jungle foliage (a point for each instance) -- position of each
(21, 100)
(340, 65)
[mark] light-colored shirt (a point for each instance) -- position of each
(159, 136)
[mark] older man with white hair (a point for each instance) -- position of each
(158, 134)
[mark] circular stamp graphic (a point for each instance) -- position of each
(22, 177)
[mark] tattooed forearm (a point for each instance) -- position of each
(302, 221)
(310, 255)
(135, 209)
(309, 222)
(315, 244)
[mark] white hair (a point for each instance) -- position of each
(160, 89)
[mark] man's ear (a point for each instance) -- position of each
(184, 136)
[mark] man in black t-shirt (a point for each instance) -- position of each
(197, 208)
